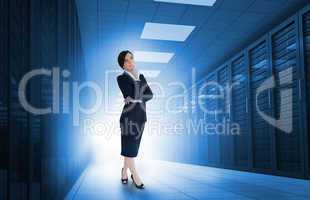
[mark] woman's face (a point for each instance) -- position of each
(129, 63)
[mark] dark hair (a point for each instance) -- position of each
(121, 57)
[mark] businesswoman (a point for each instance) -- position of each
(136, 93)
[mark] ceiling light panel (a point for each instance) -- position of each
(171, 32)
(191, 2)
(152, 56)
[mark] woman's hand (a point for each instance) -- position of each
(131, 100)
(128, 100)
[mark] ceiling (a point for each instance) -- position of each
(109, 26)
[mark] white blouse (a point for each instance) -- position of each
(135, 74)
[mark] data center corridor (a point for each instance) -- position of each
(171, 181)
(229, 117)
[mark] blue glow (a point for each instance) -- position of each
(192, 2)
(172, 32)
(153, 57)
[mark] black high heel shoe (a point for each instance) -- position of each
(137, 186)
(124, 180)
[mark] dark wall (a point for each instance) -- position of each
(4, 101)
(38, 153)
(305, 55)
(261, 147)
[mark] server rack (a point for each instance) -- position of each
(240, 108)
(19, 130)
(213, 148)
(289, 151)
(38, 158)
(201, 137)
(4, 101)
(259, 72)
(270, 149)
(226, 142)
(304, 43)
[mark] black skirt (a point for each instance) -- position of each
(131, 134)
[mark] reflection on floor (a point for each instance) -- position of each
(174, 181)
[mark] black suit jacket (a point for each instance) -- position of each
(139, 90)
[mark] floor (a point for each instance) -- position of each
(175, 181)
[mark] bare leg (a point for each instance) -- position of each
(130, 163)
(125, 168)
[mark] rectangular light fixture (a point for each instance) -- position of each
(171, 32)
(191, 2)
(152, 56)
